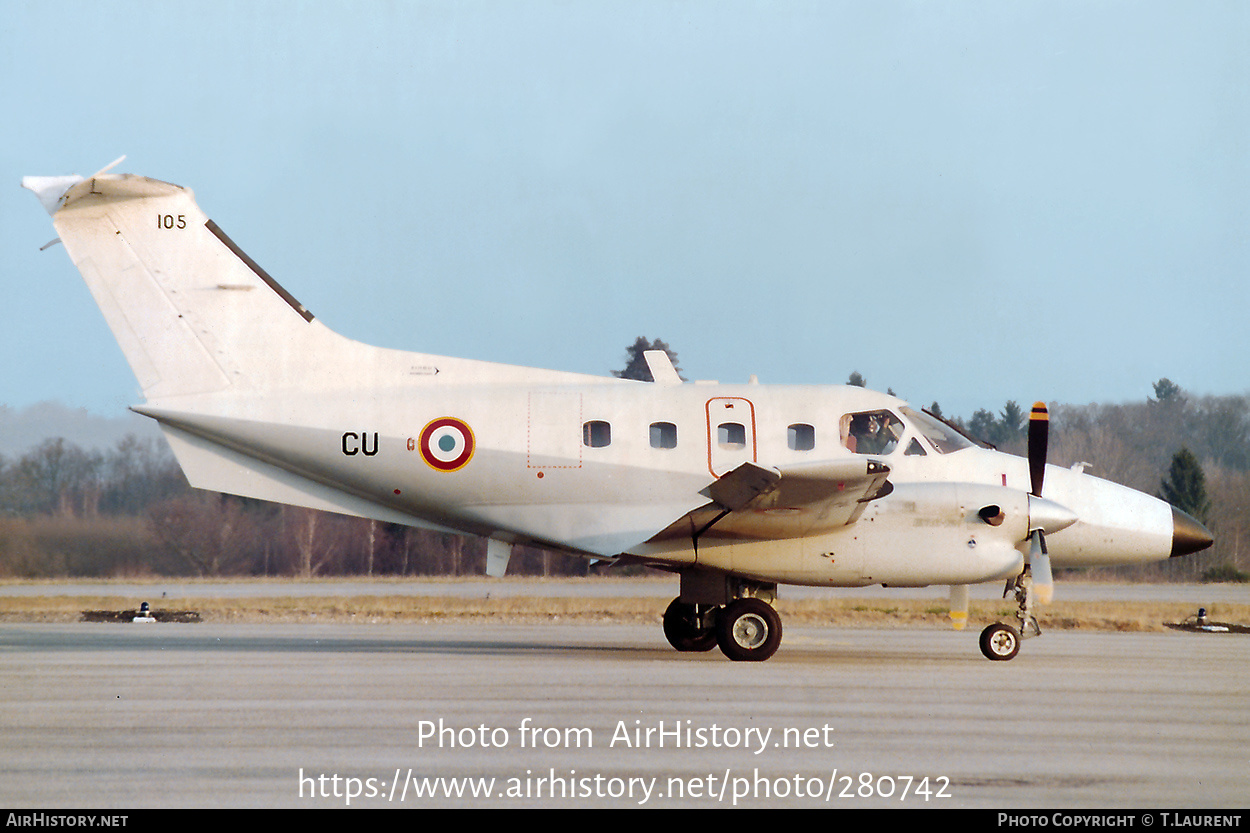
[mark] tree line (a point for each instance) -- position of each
(128, 511)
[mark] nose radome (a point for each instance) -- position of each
(1188, 535)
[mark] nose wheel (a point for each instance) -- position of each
(1000, 642)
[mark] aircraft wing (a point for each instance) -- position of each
(755, 501)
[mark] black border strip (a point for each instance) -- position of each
(261, 273)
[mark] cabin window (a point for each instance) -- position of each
(915, 449)
(663, 435)
(801, 437)
(731, 435)
(596, 434)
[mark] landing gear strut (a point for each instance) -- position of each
(1002, 642)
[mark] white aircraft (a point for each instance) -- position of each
(736, 488)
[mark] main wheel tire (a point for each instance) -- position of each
(1000, 642)
(681, 631)
(748, 630)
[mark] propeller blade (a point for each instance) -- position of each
(1039, 437)
(1039, 559)
(959, 606)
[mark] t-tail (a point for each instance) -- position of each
(192, 313)
(242, 378)
(222, 352)
(195, 315)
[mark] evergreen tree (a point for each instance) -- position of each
(1011, 424)
(856, 379)
(983, 426)
(1186, 485)
(1167, 391)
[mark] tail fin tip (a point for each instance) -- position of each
(50, 190)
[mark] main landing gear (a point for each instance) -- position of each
(690, 627)
(747, 629)
(1002, 642)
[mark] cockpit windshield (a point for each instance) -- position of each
(943, 437)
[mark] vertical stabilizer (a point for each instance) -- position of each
(192, 313)
(195, 315)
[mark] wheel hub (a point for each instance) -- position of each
(750, 631)
(1003, 642)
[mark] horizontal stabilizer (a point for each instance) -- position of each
(212, 466)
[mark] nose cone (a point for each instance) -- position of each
(1188, 535)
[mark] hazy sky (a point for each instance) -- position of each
(966, 202)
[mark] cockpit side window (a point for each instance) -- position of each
(944, 438)
(870, 432)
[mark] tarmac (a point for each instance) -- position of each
(127, 716)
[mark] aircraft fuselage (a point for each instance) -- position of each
(600, 469)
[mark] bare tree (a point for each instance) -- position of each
(209, 531)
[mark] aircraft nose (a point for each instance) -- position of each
(1188, 535)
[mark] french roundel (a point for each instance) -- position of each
(447, 444)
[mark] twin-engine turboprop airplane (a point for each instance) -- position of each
(736, 488)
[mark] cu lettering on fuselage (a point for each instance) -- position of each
(354, 443)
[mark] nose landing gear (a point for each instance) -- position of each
(1002, 642)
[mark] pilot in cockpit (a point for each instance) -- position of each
(871, 433)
